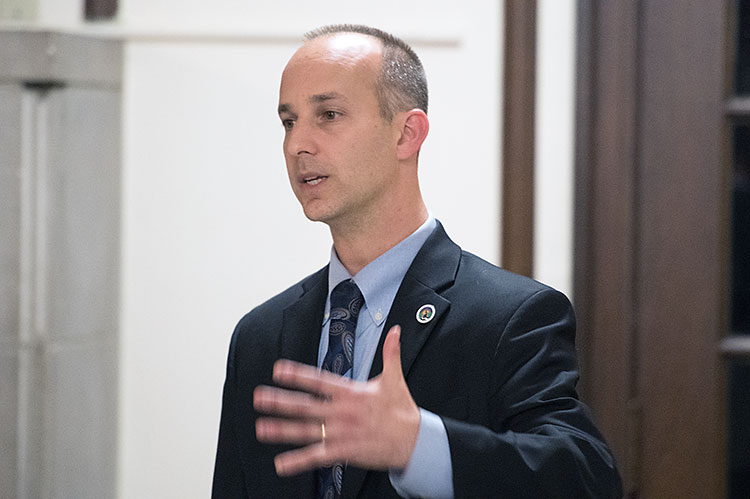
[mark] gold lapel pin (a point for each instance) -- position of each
(425, 314)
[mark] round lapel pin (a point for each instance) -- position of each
(425, 314)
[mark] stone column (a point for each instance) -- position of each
(60, 123)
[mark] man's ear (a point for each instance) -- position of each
(414, 128)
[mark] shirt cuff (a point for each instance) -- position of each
(429, 472)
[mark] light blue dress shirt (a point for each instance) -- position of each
(429, 472)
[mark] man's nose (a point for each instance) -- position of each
(301, 140)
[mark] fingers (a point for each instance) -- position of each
(306, 458)
(288, 403)
(392, 354)
(354, 413)
(308, 378)
(284, 431)
(317, 454)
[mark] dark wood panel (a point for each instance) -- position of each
(651, 242)
(683, 247)
(96, 10)
(518, 136)
(606, 222)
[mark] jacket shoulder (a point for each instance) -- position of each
(495, 292)
(269, 313)
(494, 279)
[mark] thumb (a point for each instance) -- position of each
(392, 354)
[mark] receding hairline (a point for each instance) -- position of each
(320, 43)
(335, 34)
(358, 29)
(387, 40)
(401, 83)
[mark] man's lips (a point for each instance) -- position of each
(313, 179)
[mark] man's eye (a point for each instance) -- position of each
(330, 115)
(288, 124)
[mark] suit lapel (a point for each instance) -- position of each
(300, 337)
(300, 333)
(433, 270)
(411, 297)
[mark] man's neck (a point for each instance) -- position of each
(359, 244)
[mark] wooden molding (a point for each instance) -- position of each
(518, 134)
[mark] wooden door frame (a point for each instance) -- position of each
(651, 238)
(519, 76)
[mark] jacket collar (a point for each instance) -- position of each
(300, 332)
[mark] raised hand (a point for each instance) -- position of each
(370, 424)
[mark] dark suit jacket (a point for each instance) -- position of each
(497, 363)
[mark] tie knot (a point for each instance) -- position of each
(346, 301)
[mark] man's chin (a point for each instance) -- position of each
(317, 215)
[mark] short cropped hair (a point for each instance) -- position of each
(402, 84)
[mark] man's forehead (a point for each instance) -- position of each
(325, 68)
(320, 84)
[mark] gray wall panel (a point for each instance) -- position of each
(43, 56)
(59, 256)
(80, 419)
(8, 421)
(83, 212)
(10, 160)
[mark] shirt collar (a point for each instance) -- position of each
(380, 279)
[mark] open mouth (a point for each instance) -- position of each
(314, 180)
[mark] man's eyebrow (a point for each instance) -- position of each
(325, 97)
(315, 99)
(284, 108)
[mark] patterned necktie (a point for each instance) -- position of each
(346, 300)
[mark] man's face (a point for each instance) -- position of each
(340, 153)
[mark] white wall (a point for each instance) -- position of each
(554, 122)
(49, 13)
(210, 227)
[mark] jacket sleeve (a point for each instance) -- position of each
(228, 478)
(541, 441)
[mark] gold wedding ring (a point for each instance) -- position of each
(323, 430)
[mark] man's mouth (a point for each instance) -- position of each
(314, 180)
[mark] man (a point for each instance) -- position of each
(471, 369)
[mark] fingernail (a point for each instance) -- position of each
(280, 469)
(258, 397)
(260, 429)
(282, 363)
(281, 369)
